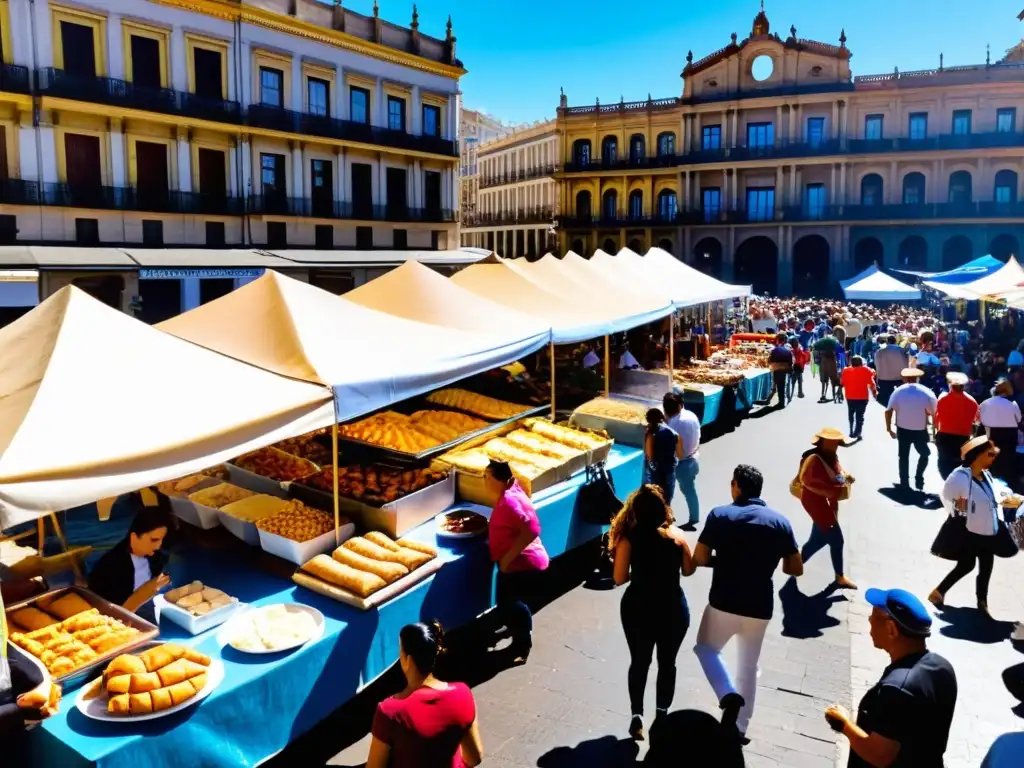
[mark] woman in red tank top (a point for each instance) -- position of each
(430, 724)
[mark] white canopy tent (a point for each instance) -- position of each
(874, 285)
(94, 403)
(1006, 279)
(688, 285)
(369, 358)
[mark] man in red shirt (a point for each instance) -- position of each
(857, 380)
(955, 417)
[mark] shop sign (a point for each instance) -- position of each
(182, 274)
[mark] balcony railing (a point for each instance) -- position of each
(520, 216)
(274, 205)
(619, 220)
(521, 175)
(119, 198)
(120, 93)
(15, 79)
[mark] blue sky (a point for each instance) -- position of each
(519, 52)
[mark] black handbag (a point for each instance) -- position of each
(951, 540)
(1003, 544)
(597, 501)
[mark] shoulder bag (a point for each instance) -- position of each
(597, 501)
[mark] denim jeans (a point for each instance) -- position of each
(686, 473)
(918, 438)
(833, 537)
(796, 382)
(856, 409)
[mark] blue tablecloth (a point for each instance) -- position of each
(755, 386)
(706, 402)
(265, 702)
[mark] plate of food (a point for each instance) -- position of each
(461, 524)
(272, 628)
(157, 682)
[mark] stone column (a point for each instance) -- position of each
(724, 197)
(842, 184)
(794, 120)
(892, 196)
(338, 174)
(835, 120)
(735, 188)
(794, 200)
(28, 164)
(784, 274)
(115, 64)
(685, 188)
(698, 138)
(233, 169)
(118, 175)
(780, 188)
(778, 126)
(379, 112)
(832, 185)
(735, 128)
(298, 170)
(184, 161)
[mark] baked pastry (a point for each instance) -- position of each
(153, 681)
(348, 578)
(389, 430)
(417, 546)
(411, 559)
(445, 426)
(382, 540)
(388, 571)
(220, 495)
(572, 437)
(32, 619)
(471, 402)
(535, 443)
(67, 606)
(174, 595)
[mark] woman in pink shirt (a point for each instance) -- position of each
(514, 539)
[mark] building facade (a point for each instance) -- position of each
(778, 167)
(515, 193)
(475, 128)
(221, 123)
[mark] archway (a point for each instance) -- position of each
(579, 247)
(756, 263)
(866, 252)
(636, 245)
(667, 205)
(913, 189)
(667, 245)
(636, 205)
(707, 256)
(960, 187)
(956, 252)
(913, 255)
(610, 205)
(872, 190)
(583, 204)
(609, 150)
(637, 148)
(609, 246)
(1005, 191)
(811, 256)
(581, 152)
(1004, 246)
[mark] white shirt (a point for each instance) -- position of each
(890, 361)
(984, 507)
(687, 426)
(913, 404)
(999, 412)
(854, 328)
(143, 572)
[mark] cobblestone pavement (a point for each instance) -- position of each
(568, 706)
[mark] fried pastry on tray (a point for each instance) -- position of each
(481, 405)
(155, 680)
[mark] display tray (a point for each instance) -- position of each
(147, 631)
(624, 432)
(378, 598)
(188, 621)
(444, 447)
(396, 518)
(300, 552)
(252, 481)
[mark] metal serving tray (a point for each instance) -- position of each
(437, 450)
(147, 631)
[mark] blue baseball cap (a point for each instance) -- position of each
(903, 608)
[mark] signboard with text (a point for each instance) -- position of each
(208, 274)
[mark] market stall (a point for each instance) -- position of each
(875, 285)
(1008, 277)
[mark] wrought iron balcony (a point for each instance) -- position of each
(15, 79)
(323, 208)
(520, 216)
(108, 90)
(511, 177)
(618, 220)
(18, 192)
(121, 198)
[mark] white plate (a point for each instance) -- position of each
(229, 630)
(96, 709)
(464, 535)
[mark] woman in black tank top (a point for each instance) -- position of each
(651, 554)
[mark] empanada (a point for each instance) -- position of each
(69, 605)
(388, 571)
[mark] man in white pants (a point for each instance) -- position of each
(748, 540)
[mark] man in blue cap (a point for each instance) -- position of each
(903, 722)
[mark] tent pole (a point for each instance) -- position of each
(334, 481)
(551, 350)
(607, 364)
(671, 351)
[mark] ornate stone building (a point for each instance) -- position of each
(779, 168)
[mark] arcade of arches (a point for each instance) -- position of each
(933, 251)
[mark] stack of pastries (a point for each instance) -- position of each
(365, 564)
(479, 405)
(389, 429)
(155, 680)
(276, 464)
(198, 599)
(65, 645)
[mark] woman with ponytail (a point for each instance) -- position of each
(431, 723)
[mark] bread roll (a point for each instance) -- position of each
(417, 546)
(220, 602)
(388, 571)
(119, 684)
(145, 682)
(69, 605)
(181, 692)
(161, 699)
(140, 703)
(210, 594)
(367, 548)
(160, 656)
(202, 609)
(190, 601)
(119, 705)
(32, 618)
(177, 593)
(382, 540)
(357, 582)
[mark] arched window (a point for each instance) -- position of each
(871, 189)
(583, 204)
(610, 205)
(666, 144)
(1006, 187)
(581, 152)
(960, 187)
(666, 204)
(609, 150)
(637, 148)
(913, 189)
(636, 204)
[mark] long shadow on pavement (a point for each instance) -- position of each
(972, 625)
(805, 616)
(910, 498)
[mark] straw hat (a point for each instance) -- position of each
(971, 444)
(957, 379)
(829, 433)
(911, 373)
